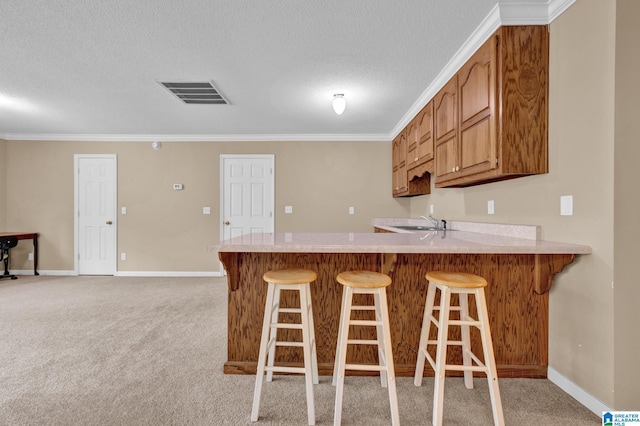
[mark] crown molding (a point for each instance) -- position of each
(557, 7)
(372, 137)
(506, 12)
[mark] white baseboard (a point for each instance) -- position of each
(42, 272)
(168, 274)
(126, 273)
(583, 397)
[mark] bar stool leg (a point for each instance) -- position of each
(466, 339)
(263, 352)
(424, 335)
(489, 359)
(441, 355)
(273, 331)
(380, 334)
(336, 365)
(341, 353)
(312, 341)
(388, 356)
(306, 345)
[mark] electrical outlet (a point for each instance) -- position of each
(430, 208)
(123, 210)
(123, 256)
(30, 256)
(352, 210)
(490, 207)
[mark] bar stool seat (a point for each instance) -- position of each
(374, 283)
(462, 284)
(287, 279)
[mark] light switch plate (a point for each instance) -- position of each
(566, 205)
(206, 210)
(288, 209)
(490, 207)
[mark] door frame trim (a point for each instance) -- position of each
(270, 157)
(76, 209)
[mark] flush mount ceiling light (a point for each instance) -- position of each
(339, 103)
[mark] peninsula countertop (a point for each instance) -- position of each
(513, 258)
(489, 238)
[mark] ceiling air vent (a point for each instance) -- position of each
(191, 92)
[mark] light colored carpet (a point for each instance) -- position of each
(150, 351)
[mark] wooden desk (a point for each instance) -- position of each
(26, 236)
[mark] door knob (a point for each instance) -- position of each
(227, 223)
(109, 222)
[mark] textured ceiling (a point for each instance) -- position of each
(83, 68)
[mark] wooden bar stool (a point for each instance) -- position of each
(374, 283)
(462, 284)
(287, 279)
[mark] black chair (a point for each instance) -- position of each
(7, 243)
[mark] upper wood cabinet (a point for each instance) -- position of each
(420, 143)
(405, 185)
(446, 134)
(413, 156)
(491, 118)
(399, 162)
(412, 143)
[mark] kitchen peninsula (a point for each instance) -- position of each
(519, 271)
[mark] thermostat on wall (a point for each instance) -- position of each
(177, 186)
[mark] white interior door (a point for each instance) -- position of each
(247, 194)
(96, 183)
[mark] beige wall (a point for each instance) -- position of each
(581, 163)
(627, 207)
(3, 185)
(165, 230)
(593, 109)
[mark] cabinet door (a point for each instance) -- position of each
(445, 120)
(394, 163)
(412, 144)
(424, 121)
(399, 154)
(477, 88)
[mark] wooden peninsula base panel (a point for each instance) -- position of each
(517, 300)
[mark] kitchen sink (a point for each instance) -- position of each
(416, 228)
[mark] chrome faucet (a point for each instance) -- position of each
(435, 222)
